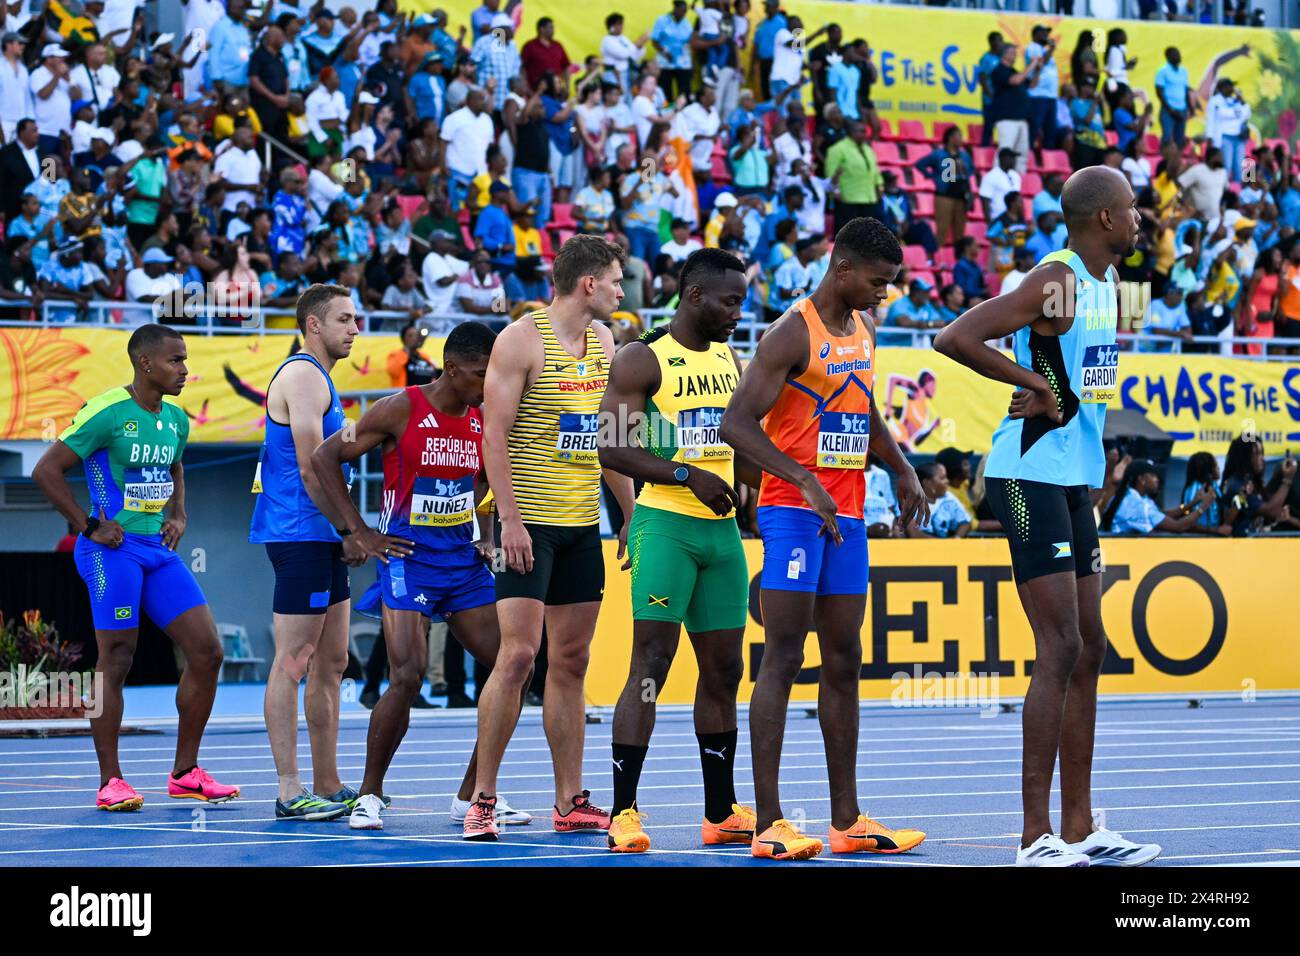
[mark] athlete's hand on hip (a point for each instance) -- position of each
(714, 493)
(109, 532)
(821, 502)
(171, 531)
(517, 543)
(622, 545)
(368, 543)
(1034, 402)
(912, 502)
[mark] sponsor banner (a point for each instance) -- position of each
(1202, 401)
(927, 400)
(1182, 615)
(926, 57)
(47, 374)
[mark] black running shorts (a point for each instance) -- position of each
(1051, 528)
(568, 566)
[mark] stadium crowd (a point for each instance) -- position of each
(435, 167)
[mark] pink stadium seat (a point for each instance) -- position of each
(887, 153)
(1031, 184)
(985, 158)
(945, 277)
(915, 257)
(974, 133)
(918, 182)
(1056, 161)
(940, 127)
(721, 174)
(979, 230)
(548, 250)
(994, 282)
(923, 204)
(925, 274)
(468, 237)
(562, 216)
(409, 205)
(976, 212)
(563, 235)
(912, 130)
(886, 129)
(1151, 143)
(945, 258)
(1112, 137)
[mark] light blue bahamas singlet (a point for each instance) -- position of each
(1082, 365)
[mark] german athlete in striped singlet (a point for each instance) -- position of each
(804, 412)
(541, 402)
(432, 438)
(687, 561)
(1044, 469)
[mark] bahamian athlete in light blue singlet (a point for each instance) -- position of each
(1045, 470)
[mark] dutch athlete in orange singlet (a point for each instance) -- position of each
(810, 384)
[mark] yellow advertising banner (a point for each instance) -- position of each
(929, 401)
(944, 623)
(926, 56)
(47, 374)
(1202, 401)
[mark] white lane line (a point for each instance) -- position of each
(403, 761)
(602, 774)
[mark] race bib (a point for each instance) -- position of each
(440, 502)
(1100, 372)
(698, 435)
(842, 440)
(576, 441)
(147, 489)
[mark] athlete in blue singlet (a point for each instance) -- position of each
(1044, 468)
(293, 519)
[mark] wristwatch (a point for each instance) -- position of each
(681, 473)
(343, 532)
(92, 525)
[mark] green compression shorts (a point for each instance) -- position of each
(688, 570)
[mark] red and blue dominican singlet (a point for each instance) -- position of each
(429, 477)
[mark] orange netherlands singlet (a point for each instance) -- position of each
(822, 418)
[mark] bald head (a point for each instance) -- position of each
(1092, 189)
(1099, 207)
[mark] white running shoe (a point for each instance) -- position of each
(1107, 848)
(1050, 850)
(506, 815)
(366, 814)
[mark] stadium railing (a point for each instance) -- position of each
(109, 313)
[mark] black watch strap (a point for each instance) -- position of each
(92, 525)
(343, 532)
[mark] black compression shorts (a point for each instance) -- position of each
(568, 566)
(1051, 528)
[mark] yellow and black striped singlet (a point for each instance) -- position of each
(554, 462)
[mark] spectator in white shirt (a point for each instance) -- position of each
(681, 245)
(997, 182)
(1227, 121)
(327, 113)
(618, 53)
(94, 80)
(698, 124)
(440, 272)
(480, 291)
(51, 97)
(645, 108)
(787, 56)
(467, 133)
(241, 168)
(153, 278)
(15, 85)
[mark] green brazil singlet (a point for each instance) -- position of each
(128, 453)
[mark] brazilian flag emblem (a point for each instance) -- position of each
(677, 362)
(131, 428)
(122, 613)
